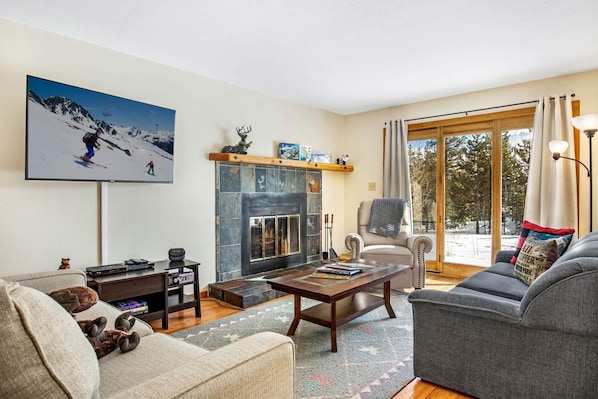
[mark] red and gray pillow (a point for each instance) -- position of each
(563, 237)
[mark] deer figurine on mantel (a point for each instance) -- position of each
(243, 145)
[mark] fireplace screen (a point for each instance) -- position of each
(274, 236)
(273, 231)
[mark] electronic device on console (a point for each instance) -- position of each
(176, 254)
(129, 265)
(95, 271)
(138, 264)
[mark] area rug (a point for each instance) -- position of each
(374, 358)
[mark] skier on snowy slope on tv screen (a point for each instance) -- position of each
(91, 142)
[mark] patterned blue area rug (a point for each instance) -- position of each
(374, 358)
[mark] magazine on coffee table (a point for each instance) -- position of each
(351, 266)
(333, 276)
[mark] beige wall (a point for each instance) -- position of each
(364, 131)
(42, 221)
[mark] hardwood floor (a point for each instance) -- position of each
(418, 389)
(212, 309)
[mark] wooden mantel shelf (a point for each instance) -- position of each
(240, 158)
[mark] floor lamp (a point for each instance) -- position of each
(588, 124)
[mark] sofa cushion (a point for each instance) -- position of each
(44, 353)
(495, 284)
(389, 254)
(502, 268)
(527, 226)
(535, 258)
(158, 353)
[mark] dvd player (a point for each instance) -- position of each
(106, 269)
(117, 268)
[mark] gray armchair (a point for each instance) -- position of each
(406, 249)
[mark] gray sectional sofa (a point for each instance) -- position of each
(45, 355)
(492, 336)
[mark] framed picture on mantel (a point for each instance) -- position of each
(288, 151)
(321, 157)
(305, 153)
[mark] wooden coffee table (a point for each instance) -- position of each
(342, 300)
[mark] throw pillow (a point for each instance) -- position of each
(535, 258)
(527, 226)
(562, 242)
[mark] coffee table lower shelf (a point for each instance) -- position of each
(337, 313)
(347, 309)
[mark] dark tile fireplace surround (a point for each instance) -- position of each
(245, 190)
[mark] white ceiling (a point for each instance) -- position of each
(345, 56)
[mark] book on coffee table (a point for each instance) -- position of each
(337, 269)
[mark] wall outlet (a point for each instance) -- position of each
(372, 186)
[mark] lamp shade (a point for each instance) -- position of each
(558, 146)
(585, 122)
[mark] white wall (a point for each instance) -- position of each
(42, 221)
(364, 131)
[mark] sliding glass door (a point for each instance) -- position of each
(468, 180)
(468, 198)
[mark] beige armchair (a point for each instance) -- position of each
(406, 249)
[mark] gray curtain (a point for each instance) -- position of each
(551, 197)
(397, 183)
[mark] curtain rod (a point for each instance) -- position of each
(479, 109)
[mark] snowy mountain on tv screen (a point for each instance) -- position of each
(56, 126)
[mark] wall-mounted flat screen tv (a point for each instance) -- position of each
(83, 135)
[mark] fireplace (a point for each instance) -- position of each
(273, 231)
(282, 200)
